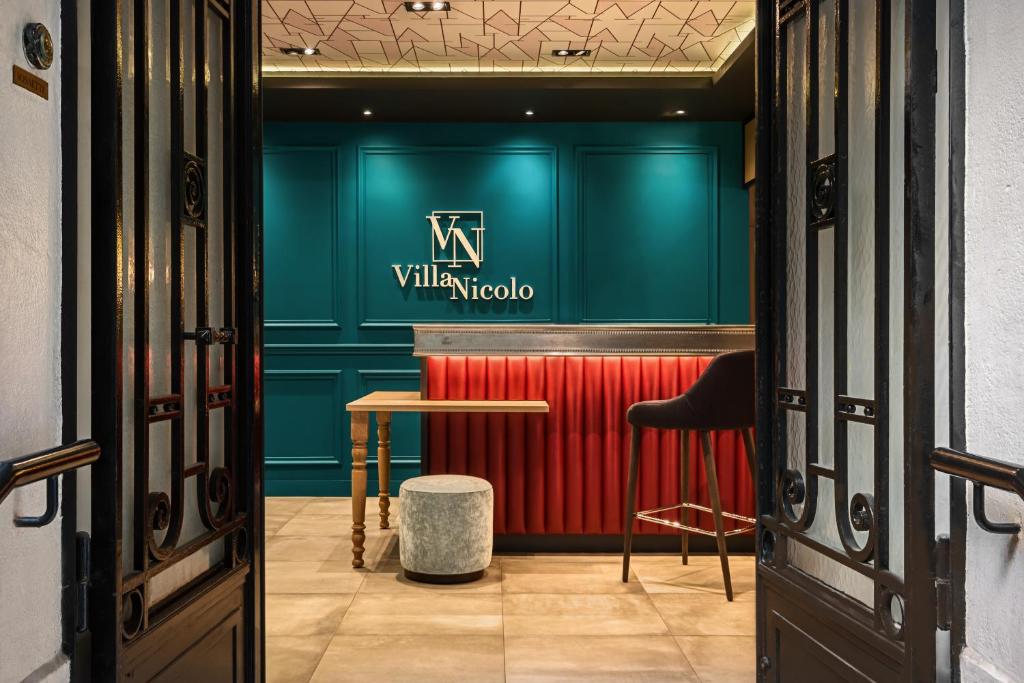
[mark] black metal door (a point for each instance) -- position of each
(176, 499)
(846, 357)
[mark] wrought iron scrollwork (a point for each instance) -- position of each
(822, 179)
(193, 191)
(133, 613)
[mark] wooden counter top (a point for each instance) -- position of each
(410, 402)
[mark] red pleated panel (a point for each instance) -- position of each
(476, 423)
(573, 445)
(554, 448)
(515, 460)
(536, 499)
(565, 472)
(593, 445)
(437, 387)
(614, 419)
(497, 438)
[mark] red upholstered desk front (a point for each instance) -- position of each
(565, 472)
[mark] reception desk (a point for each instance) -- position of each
(564, 472)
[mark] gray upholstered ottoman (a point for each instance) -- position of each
(446, 531)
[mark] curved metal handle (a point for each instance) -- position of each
(47, 465)
(982, 472)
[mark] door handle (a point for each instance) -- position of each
(982, 472)
(213, 335)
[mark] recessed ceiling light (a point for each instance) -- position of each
(529, 112)
(565, 52)
(680, 112)
(307, 51)
(431, 6)
(367, 112)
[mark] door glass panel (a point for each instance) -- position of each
(188, 84)
(158, 268)
(128, 272)
(796, 220)
(897, 84)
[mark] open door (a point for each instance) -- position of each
(176, 318)
(846, 341)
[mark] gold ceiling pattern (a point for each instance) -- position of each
(480, 36)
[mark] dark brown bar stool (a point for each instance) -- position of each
(721, 399)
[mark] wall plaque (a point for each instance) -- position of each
(31, 82)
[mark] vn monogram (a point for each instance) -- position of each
(447, 239)
(456, 239)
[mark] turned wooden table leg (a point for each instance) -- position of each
(360, 430)
(384, 465)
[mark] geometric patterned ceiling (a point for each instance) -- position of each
(485, 37)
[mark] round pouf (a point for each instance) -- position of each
(446, 532)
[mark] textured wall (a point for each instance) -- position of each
(995, 325)
(30, 250)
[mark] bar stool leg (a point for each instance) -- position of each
(684, 489)
(628, 518)
(716, 508)
(748, 446)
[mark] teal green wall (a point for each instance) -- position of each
(607, 222)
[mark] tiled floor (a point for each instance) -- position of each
(531, 618)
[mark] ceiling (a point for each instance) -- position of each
(380, 37)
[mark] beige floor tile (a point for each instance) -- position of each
(305, 548)
(285, 505)
(343, 506)
(380, 550)
(395, 582)
(293, 659)
(435, 613)
(721, 659)
(305, 615)
(693, 614)
(558, 576)
(701, 575)
(580, 615)
(311, 577)
(304, 524)
(412, 659)
(608, 659)
(272, 523)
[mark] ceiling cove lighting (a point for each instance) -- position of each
(428, 6)
(570, 53)
(307, 51)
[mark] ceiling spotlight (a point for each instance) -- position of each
(565, 52)
(529, 112)
(432, 6)
(307, 51)
(680, 112)
(367, 112)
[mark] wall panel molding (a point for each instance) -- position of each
(332, 441)
(585, 237)
(365, 320)
(333, 321)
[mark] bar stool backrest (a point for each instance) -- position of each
(723, 396)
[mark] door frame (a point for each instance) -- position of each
(105, 604)
(916, 654)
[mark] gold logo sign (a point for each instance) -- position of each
(457, 241)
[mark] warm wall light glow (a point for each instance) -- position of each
(680, 112)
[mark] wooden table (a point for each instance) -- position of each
(383, 403)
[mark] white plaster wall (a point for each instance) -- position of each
(994, 213)
(30, 249)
